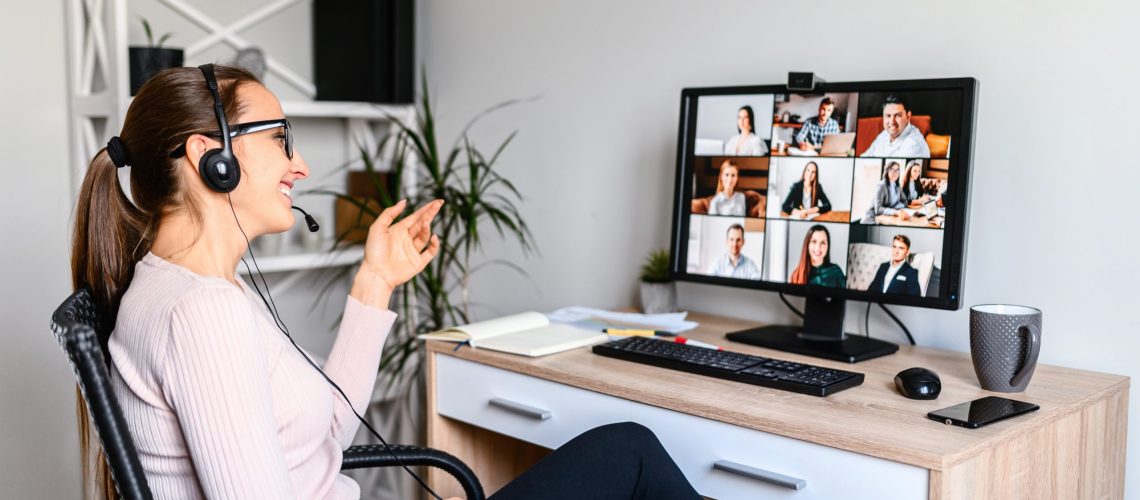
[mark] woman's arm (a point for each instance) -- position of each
(215, 377)
(791, 202)
(881, 195)
(821, 199)
(393, 254)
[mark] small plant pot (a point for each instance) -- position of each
(146, 62)
(658, 298)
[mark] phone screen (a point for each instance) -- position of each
(982, 411)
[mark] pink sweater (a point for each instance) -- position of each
(220, 403)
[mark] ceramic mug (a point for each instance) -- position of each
(1005, 341)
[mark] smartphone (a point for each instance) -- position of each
(979, 412)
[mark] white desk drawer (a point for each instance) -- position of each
(513, 404)
(696, 444)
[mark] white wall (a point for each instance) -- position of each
(39, 450)
(610, 75)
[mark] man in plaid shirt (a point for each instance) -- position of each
(811, 134)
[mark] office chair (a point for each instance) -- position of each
(76, 324)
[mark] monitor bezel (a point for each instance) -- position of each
(958, 193)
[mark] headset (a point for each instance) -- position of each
(219, 168)
(221, 172)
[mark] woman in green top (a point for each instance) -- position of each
(815, 267)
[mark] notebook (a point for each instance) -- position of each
(528, 334)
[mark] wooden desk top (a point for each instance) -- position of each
(894, 220)
(872, 419)
(843, 216)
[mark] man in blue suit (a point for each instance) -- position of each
(897, 276)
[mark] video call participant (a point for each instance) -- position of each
(812, 132)
(728, 201)
(733, 264)
(806, 196)
(224, 405)
(815, 267)
(911, 185)
(888, 197)
(899, 137)
(745, 142)
(897, 276)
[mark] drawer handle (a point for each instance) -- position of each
(521, 409)
(788, 482)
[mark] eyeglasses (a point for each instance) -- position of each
(239, 129)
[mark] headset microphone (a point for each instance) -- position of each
(312, 223)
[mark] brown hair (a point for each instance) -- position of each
(904, 240)
(814, 183)
(719, 183)
(111, 233)
(803, 269)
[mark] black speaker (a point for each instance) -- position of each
(364, 50)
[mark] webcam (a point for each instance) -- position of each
(805, 81)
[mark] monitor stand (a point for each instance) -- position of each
(821, 335)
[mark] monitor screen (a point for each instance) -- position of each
(858, 190)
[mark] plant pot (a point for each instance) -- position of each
(658, 298)
(146, 62)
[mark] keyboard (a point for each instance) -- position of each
(766, 372)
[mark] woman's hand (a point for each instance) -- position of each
(394, 253)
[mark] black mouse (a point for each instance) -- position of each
(918, 383)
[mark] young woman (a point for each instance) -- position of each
(218, 400)
(806, 197)
(745, 142)
(815, 267)
(888, 198)
(911, 185)
(728, 201)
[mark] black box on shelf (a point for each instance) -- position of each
(364, 50)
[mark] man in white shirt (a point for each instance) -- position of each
(733, 264)
(897, 276)
(899, 139)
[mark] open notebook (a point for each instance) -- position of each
(528, 334)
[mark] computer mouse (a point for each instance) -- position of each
(918, 383)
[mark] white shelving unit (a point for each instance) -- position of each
(99, 88)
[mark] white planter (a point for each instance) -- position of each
(658, 298)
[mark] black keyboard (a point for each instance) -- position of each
(728, 365)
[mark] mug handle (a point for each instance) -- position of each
(1034, 334)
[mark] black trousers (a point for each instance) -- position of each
(617, 461)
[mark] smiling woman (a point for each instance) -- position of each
(220, 401)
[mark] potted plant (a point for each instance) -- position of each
(658, 292)
(477, 199)
(146, 61)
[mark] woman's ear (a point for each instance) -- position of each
(196, 146)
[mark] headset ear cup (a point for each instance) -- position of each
(220, 172)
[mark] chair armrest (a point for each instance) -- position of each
(374, 455)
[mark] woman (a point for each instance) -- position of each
(806, 197)
(888, 198)
(219, 401)
(912, 184)
(815, 267)
(728, 201)
(745, 142)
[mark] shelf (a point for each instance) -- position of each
(336, 109)
(287, 261)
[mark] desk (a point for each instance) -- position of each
(843, 216)
(894, 220)
(866, 442)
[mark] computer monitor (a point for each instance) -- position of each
(855, 191)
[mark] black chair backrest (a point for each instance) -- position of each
(75, 324)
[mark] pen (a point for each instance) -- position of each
(638, 332)
(695, 343)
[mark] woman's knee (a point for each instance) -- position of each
(626, 433)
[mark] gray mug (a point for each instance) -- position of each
(1004, 343)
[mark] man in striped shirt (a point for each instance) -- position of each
(811, 134)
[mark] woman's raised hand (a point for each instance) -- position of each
(395, 252)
